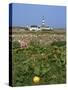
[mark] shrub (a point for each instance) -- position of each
(59, 43)
(15, 45)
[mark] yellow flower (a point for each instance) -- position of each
(36, 79)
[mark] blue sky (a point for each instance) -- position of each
(30, 14)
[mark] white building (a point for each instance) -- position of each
(34, 27)
(45, 28)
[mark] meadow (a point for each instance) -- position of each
(44, 57)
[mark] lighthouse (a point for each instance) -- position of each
(43, 21)
(43, 26)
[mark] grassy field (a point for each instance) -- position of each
(44, 57)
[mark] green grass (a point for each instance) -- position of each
(45, 61)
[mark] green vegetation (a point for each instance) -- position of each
(38, 32)
(48, 62)
(15, 44)
(62, 43)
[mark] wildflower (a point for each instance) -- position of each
(36, 79)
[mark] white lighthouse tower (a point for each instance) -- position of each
(43, 26)
(43, 21)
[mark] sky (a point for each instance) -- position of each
(31, 14)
